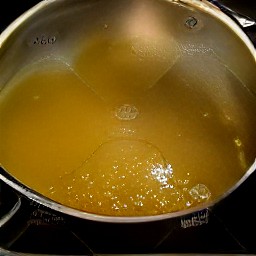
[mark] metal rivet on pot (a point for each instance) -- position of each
(191, 22)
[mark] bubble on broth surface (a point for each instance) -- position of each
(200, 192)
(124, 178)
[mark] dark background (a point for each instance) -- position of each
(246, 7)
(10, 10)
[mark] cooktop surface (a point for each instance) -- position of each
(227, 228)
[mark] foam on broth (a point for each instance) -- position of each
(128, 130)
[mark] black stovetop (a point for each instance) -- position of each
(227, 228)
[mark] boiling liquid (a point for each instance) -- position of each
(124, 130)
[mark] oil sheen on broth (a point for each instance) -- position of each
(129, 127)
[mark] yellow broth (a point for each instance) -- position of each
(128, 128)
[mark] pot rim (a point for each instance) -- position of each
(203, 5)
(40, 199)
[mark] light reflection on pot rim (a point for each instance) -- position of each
(41, 200)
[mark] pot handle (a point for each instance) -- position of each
(11, 215)
(18, 213)
(243, 20)
(247, 23)
(7, 216)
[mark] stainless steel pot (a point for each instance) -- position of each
(52, 27)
